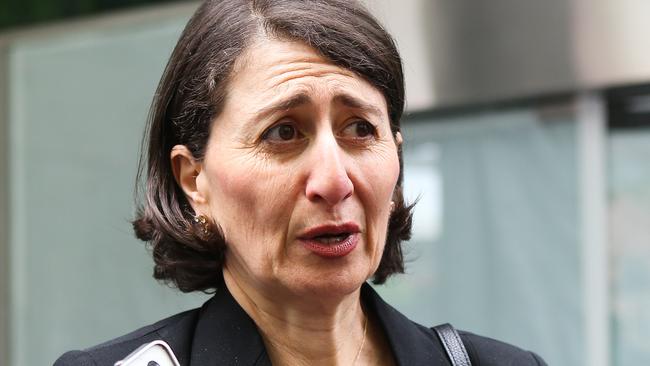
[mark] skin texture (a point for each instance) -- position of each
(291, 151)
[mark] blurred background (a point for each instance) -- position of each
(527, 143)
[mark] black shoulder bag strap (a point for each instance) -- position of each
(453, 345)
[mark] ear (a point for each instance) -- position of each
(186, 172)
(398, 138)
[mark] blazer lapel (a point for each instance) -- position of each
(411, 343)
(226, 335)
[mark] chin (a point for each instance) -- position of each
(330, 283)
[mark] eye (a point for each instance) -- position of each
(282, 132)
(359, 129)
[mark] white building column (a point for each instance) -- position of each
(592, 132)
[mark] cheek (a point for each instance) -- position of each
(377, 190)
(380, 173)
(249, 201)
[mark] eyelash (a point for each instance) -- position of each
(265, 135)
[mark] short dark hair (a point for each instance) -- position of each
(191, 95)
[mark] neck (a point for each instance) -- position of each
(302, 331)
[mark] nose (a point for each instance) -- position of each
(328, 179)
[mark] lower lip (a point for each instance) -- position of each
(333, 250)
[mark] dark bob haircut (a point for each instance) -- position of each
(191, 95)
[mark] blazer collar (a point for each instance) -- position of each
(411, 343)
(226, 335)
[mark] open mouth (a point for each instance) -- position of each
(330, 233)
(331, 241)
(331, 238)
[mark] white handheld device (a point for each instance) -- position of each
(156, 353)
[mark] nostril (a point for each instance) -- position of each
(332, 189)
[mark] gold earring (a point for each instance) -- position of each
(392, 206)
(203, 223)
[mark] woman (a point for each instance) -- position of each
(273, 179)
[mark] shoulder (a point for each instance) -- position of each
(415, 344)
(175, 330)
(486, 351)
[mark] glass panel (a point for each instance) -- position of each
(495, 248)
(79, 101)
(629, 212)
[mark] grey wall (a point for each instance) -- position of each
(464, 52)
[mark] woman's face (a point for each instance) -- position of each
(299, 172)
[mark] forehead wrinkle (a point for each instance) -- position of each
(305, 72)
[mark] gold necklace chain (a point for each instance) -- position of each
(363, 340)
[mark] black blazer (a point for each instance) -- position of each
(221, 333)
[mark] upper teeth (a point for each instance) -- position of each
(331, 238)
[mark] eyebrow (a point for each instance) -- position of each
(356, 103)
(302, 99)
(295, 101)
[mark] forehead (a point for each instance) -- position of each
(270, 68)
